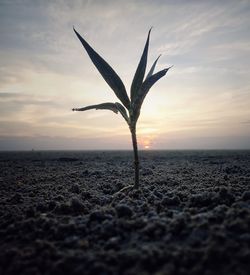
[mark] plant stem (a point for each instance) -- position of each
(136, 158)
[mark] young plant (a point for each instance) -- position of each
(129, 108)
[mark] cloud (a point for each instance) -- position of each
(62, 143)
(25, 100)
(201, 143)
(44, 71)
(246, 122)
(167, 142)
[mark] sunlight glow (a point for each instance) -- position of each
(146, 142)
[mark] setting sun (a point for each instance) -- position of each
(146, 142)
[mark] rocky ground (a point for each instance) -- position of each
(59, 214)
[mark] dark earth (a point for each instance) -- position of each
(59, 214)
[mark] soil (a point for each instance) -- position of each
(59, 214)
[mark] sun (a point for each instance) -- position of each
(146, 142)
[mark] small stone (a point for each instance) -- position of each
(225, 195)
(123, 210)
(63, 208)
(246, 196)
(170, 201)
(86, 195)
(76, 204)
(97, 215)
(51, 205)
(112, 243)
(59, 198)
(42, 207)
(75, 188)
(17, 198)
(30, 212)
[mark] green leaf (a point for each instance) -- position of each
(140, 71)
(151, 71)
(147, 84)
(109, 75)
(108, 106)
(123, 111)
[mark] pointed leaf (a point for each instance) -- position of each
(109, 75)
(123, 111)
(147, 84)
(151, 71)
(102, 106)
(140, 71)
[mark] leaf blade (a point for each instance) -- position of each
(107, 72)
(147, 84)
(107, 105)
(115, 107)
(151, 71)
(140, 71)
(123, 111)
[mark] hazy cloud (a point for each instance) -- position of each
(44, 71)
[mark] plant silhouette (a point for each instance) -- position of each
(129, 108)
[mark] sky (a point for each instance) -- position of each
(202, 103)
